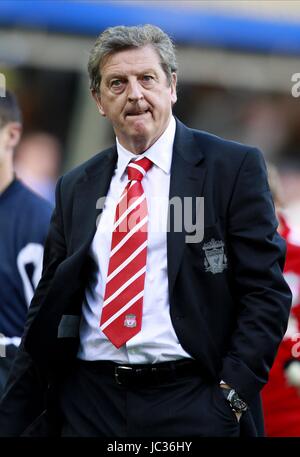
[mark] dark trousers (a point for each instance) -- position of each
(93, 404)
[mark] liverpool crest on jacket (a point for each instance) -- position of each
(215, 260)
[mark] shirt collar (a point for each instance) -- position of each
(160, 153)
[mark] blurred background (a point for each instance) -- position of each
(236, 65)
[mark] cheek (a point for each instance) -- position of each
(163, 105)
(116, 106)
(164, 98)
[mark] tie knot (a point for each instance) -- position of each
(136, 170)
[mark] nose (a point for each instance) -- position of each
(134, 91)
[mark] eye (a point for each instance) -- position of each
(147, 78)
(116, 84)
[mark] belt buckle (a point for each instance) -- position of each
(117, 373)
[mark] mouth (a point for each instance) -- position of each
(136, 114)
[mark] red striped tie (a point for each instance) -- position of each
(122, 311)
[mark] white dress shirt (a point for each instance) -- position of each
(157, 341)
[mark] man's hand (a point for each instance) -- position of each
(226, 386)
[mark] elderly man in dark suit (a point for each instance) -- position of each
(152, 318)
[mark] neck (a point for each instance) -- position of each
(6, 174)
(139, 145)
(139, 148)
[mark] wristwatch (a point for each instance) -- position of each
(237, 404)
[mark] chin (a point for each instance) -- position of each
(140, 126)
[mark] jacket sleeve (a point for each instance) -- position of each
(257, 254)
(24, 396)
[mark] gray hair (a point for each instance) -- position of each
(115, 39)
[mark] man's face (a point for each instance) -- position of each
(3, 144)
(9, 138)
(136, 97)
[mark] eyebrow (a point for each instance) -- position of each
(111, 76)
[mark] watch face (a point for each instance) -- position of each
(238, 404)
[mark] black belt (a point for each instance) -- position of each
(142, 374)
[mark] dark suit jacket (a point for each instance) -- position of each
(231, 321)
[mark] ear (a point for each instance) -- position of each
(173, 89)
(97, 98)
(13, 134)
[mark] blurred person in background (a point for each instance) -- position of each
(24, 222)
(37, 163)
(140, 330)
(281, 395)
(289, 172)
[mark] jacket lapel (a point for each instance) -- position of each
(89, 197)
(187, 180)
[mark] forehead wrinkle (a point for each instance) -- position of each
(124, 75)
(128, 60)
